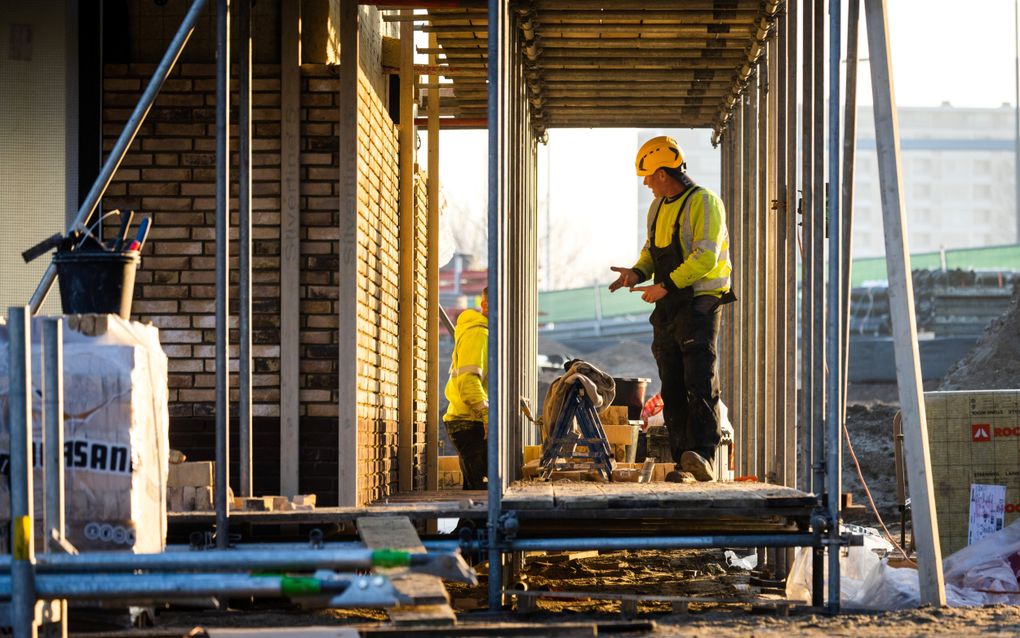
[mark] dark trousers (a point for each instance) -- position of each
(469, 439)
(684, 347)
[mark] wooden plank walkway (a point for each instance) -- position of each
(711, 503)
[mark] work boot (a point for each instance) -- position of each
(697, 465)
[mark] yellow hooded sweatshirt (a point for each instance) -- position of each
(467, 390)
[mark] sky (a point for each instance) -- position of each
(942, 52)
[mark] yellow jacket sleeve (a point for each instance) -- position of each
(473, 358)
(708, 231)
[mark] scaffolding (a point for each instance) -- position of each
(519, 69)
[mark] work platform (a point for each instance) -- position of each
(571, 506)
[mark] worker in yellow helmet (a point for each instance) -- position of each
(467, 390)
(687, 255)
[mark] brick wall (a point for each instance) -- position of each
(169, 173)
(378, 261)
(421, 320)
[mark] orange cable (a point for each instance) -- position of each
(871, 501)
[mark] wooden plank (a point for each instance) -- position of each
(442, 615)
(579, 495)
(389, 532)
(347, 301)
(529, 496)
(427, 593)
(901, 309)
(290, 244)
(405, 292)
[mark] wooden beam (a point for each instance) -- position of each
(432, 302)
(901, 307)
(290, 245)
(405, 394)
(347, 302)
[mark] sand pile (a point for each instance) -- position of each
(994, 363)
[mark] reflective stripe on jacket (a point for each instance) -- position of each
(704, 241)
(467, 388)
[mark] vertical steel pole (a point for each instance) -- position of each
(747, 308)
(496, 125)
(790, 250)
(244, 240)
(790, 244)
(834, 407)
(849, 156)
(19, 330)
(807, 366)
(53, 439)
(783, 459)
(818, 287)
(222, 267)
(761, 216)
(780, 255)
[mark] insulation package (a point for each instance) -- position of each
(116, 444)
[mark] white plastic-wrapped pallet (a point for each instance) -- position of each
(115, 436)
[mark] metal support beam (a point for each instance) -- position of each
(53, 443)
(222, 268)
(901, 306)
(849, 156)
(834, 415)
(244, 245)
(19, 331)
(290, 246)
(498, 62)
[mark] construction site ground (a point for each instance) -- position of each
(690, 573)
(680, 573)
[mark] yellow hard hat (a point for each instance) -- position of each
(658, 152)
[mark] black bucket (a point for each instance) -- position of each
(631, 393)
(96, 282)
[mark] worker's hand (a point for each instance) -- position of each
(652, 293)
(626, 279)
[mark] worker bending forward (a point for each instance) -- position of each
(467, 390)
(687, 255)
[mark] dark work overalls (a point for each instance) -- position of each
(684, 330)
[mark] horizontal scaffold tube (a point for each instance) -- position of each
(158, 586)
(229, 560)
(662, 542)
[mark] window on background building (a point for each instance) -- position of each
(983, 215)
(982, 191)
(983, 167)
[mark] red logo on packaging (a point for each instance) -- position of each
(981, 432)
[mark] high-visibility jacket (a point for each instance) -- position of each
(467, 389)
(697, 219)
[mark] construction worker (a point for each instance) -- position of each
(687, 255)
(467, 417)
